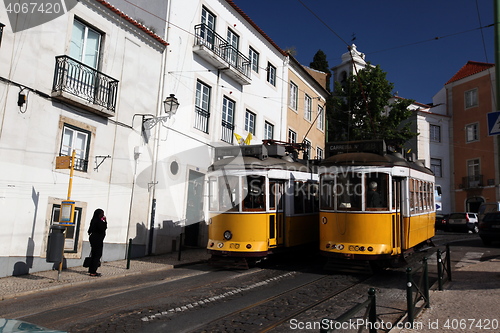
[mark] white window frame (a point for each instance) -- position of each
(319, 153)
(321, 118)
(268, 131)
(435, 133)
(77, 139)
(271, 74)
(250, 121)
(294, 96)
(292, 136)
(202, 102)
(471, 99)
(254, 59)
(472, 133)
(80, 43)
(308, 107)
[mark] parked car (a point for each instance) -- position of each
(488, 207)
(464, 222)
(441, 222)
(489, 228)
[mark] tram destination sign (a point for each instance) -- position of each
(374, 146)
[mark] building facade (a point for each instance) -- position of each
(95, 81)
(474, 152)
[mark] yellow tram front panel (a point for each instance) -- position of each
(353, 234)
(249, 232)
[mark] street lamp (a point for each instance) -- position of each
(170, 104)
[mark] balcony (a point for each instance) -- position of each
(84, 87)
(471, 182)
(218, 52)
(227, 132)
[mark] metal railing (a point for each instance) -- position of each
(421, 288)
(472, 181)
(78, 79)
(443, 266)
(208, 38)
(201, 119)
(227, 132)
(370, 316)
(80, 163)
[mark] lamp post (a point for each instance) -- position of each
(170, 105)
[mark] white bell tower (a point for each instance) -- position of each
(352, 61)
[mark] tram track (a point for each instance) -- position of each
(83, 311)
(282, 307)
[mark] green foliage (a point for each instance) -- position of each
(360, 110)
(320, 63)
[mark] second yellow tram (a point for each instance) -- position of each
(374, 204)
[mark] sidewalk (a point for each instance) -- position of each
(14, 286)
(469, 303)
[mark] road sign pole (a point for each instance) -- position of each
(71, 172)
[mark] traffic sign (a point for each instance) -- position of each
(494, 123)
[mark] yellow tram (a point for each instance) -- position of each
(374, 204)
(262, 200)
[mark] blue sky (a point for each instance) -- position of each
(398, 35)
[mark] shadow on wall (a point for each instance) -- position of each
(23, 267)
(166, 239)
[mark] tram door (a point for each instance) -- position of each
(397, 217)
(276, 212)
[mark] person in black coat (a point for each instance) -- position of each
(97, 232)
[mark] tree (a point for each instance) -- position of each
(362, 111)
(320, 63)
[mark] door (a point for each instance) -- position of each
(276, 212)
(194, 208)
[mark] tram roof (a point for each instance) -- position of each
(373, 159)
(253, 163)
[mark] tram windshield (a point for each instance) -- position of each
(255, 188)
(228, 192)
(376, 189)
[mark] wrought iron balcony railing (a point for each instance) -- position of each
(80, 80)
(472, 181)
(227, 132)
(80, 163)
(201, 119)
(230, 55)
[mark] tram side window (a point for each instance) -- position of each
(349, 190)
(327, 193)
(312, 199)
(298, 198)
(255, 199)
(212, 194)
(377, 191)
(229, 196)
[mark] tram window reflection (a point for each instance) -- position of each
(229, 193)
(377, 191)
(256, 193)
(349, 190)
(327, 193)
(213, 194)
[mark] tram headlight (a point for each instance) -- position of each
(228, 235)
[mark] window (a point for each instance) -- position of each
(292, 136)
(319, 153)
(85, 44)
(376, 189)
(473, 168)
(254, 59)
(71, 236)
(268, 131)
(321, 118)
(435, 133)
(77, 139)
(228, 107)
(1, 32)
(202, 106)
(255, 189)
(207, 33)
(233, 40)
(250, 122)
(472, 132)
(308, 108)
(294, 95)
(307, 149)
(271, 74)
(436, 167)
(471, 98)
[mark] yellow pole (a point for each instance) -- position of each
(72, 170)
(70, 185)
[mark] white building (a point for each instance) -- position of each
(95, 80)
(82, 77)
